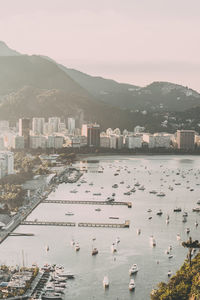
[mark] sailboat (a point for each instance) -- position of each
(106, 282)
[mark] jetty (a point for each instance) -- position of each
(126, 224)
(90, 202)
(20, 234)
(48, 223)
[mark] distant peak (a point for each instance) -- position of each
(6, 51)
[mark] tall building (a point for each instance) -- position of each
(6, 163)
(24, 130)
(38, 125)
(92, 132)
(71, 125)
(185, 139)
(54, 124)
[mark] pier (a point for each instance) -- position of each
(48, 223)
(110, 225)
(90, 202)
(20, 234)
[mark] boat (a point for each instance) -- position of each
(51, 296)
(159, 213)
(137, 184)
(138, 231)
(96, 194)
(196, 224)
(114, 218)
(98, 209)
(131, 285)
(113, 248)
(77, 247)
(72, 242)
(117, 240)
(169, 273)
(69, 213)
(184, 219)
(149, 210)
(177, 209)
(105, 282)
(187, 230)
(110, 199)
(161, 194)
(115, 185)
(133, 269)
(170, 256)
(152, 241)
(141, 188)
(47, 248)
(197, 209)
(198, 202)
(178, 237)
(153, 192)
(95, 251)
(185, 214)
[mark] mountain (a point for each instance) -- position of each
(6, 51)
(158, 96)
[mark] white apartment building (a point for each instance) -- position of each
(4, 125)
(17, 142)
(157, 140)
(2, 147)
(54, 142)
(6, 163)
(105, 141)
(38, 126)
(37, 141)
(53, 124)
(71, 125)
(133, 141)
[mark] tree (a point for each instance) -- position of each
(190, 244)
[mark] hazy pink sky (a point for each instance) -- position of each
(135, 41)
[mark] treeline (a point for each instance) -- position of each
(182, 286)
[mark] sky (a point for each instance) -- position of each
(133, 41)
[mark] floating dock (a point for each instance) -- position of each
(48, 223)
(110, 225)
(90, 202)
(20, 234)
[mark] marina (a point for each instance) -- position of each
(150, 244)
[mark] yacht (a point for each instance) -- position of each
(187, 230)
(159, 213)
(161, 194)
(141, 188)
(177, 209)
(137, 184)
(72, 242)
(115, 185)
(97, 209)
(133, 269)
(113, 248)
(51, 296)
(169, 273)
(95, 251)
(149, 210)
(138, 231)
(105, 282)
(152, 241)
(69, 213)
(153, 192)
(77, 247)
(131, 285)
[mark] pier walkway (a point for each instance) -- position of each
(48, 223)
(91, 202)
(126, 224)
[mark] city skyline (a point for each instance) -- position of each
(134, 42)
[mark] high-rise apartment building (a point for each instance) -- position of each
(185, 139)
(38, 125)
(92, 132)
(24, 130)
(6, 163)
(71, 125)
(54, 124)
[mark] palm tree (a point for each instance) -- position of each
(190, 244)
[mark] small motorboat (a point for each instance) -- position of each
(177, 209)
(131, 285)
(161, 194)
(159, 213)
(95, 251)
(105, 282)
(187, 230)
(69, 213)
(152, 241)
(138, 231)
(113, 248)
(77, 247)
(149, 210)
(98, 209)
(133, 269)
(169, 273)
(170, 256)
(72, 242)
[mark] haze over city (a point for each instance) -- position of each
(130, 41)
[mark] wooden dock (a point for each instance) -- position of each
(90, 202)
(110, 225)
(48, 223)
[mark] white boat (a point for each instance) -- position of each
(178, 237)
(138, 231)
(69, 213)
(196, 224)
(72, 242)
(98, 209)
(169, 273)
(117, 240)
(113, 248)
(141, 188)
(187, 230)
(47, 248)
(95, 251)
(105, 282)
(133, 269)
(77, 247)
(170, 256)
(161, 194)
(153, 192)
(152, 241)
(149, 210)
(131, 285)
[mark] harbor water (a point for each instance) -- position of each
(178, 177)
